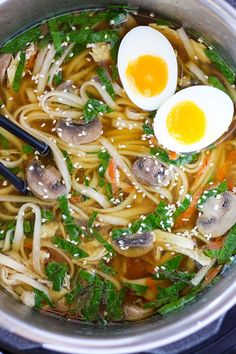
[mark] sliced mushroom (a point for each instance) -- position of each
(65, 86)
(79, 133)
(44, 182)
(5, 60)
(135, 313)
(218, 215)
(134, 245)
(151, 171)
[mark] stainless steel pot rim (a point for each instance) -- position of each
(203, 316)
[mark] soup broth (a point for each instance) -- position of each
(112, 228)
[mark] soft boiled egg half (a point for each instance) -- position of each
(147, 67)
(193, 118)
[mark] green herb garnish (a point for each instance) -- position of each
(73, 294)
(20, 42)
(69, 248)
(148, 129)
(215, 82)
(56, 35)
(68, 161)
(19, 72)
(106, 269)
(163, 22)
(47, 215)
(113, 300)
(27, 227)
(181, 160)
(74, 230)
(228, 249)
(160, 219)
(93, 108)
(91, 309)
(104, 158)
(56, 273)
(221, 188)
(166, 295)
(4, 142)
(40, 298)
(92, 219)
(221, 65)
(138, 289)
(27, 149)
(105, 80)
(58, 79)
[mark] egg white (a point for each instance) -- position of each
(218, 109)
(144, 40)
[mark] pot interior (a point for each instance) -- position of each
(206, 18)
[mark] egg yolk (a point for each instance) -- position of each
(149, 74)
(186, 122)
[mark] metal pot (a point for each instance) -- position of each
(216, 21)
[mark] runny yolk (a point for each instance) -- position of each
(186, 122)
(149, 74)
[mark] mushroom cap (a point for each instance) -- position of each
(79, 133)
(135, 312)
(151, 171)
(5, 60)
(44, 182)
(218, 215)
(134, 245)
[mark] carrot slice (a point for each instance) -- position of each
(112, 171)
(173, 155)
(216, 244)
(180, 221)
(202, 167)
(211, 274)
(154, 140)
(152, 284)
